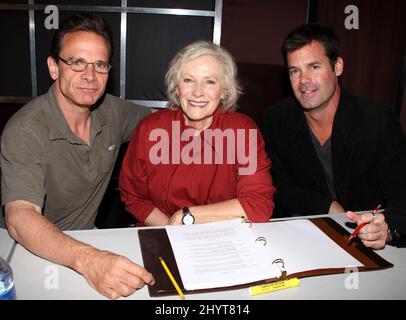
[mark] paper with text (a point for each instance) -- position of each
(225, 253)
(218, 254)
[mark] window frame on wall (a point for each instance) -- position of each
(124, 10)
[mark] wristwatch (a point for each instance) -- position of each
(187, 217)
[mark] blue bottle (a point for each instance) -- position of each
(7, 290)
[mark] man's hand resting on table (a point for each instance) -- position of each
(112, 275)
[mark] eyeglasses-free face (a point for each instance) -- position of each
(200, 90)
(314, 81)
(80, 65)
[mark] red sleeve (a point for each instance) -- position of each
(133, 176)
(255, 189)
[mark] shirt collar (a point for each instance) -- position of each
(58, 127)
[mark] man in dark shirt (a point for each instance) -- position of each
(332, 151)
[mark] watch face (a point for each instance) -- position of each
(188, 219)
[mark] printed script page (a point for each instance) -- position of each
(218, 254)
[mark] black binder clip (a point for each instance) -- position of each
(281, 265)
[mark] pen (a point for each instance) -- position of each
(175, 284)
(356, 231)
(274, 286)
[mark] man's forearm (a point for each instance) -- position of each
(38, 235)
(110, 274)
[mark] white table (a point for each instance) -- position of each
(36, 278)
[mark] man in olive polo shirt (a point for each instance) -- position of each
(43, 158)
(58, 153)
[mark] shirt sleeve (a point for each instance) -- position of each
(130, 115)
(255, 189)
(393, 172)
(22, 166)
(133, 177)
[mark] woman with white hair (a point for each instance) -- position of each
(198, 160)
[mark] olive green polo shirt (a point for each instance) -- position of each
(44, 163)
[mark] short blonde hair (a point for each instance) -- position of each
(231, 87)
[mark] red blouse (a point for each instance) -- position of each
(161, 170)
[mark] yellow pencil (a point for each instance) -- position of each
(175, 284)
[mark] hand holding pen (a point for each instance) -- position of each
(372, 229)
(374, 212)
